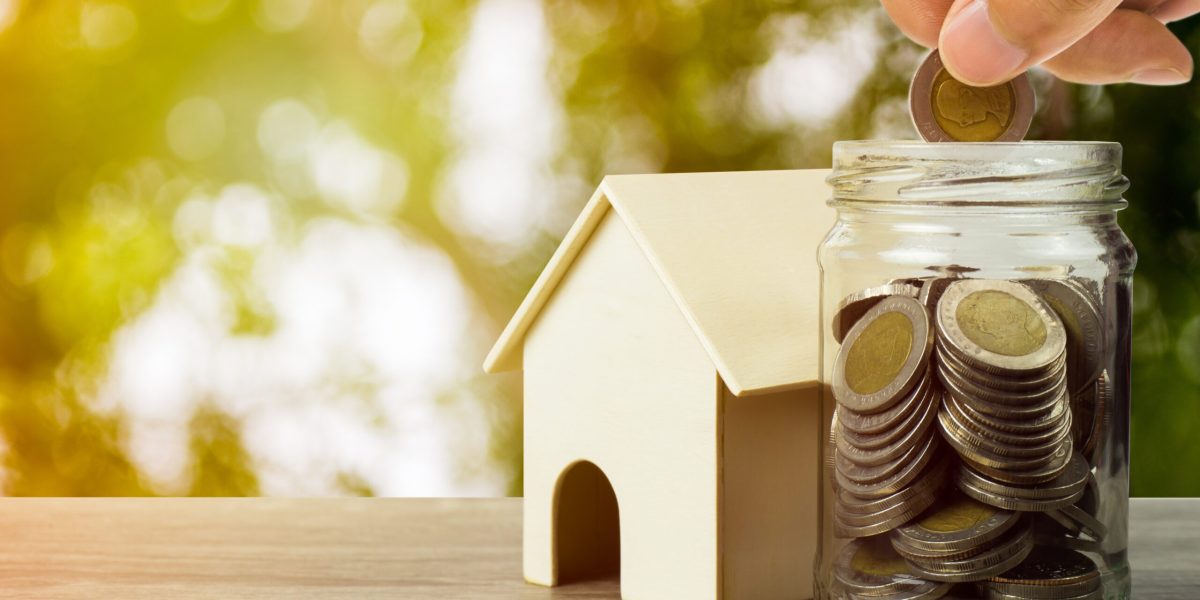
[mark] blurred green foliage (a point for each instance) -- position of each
(92, 186)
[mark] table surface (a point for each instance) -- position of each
(182, 548)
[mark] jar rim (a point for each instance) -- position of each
(1058, 174)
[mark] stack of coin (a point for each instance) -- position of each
(871, 568)
(1046, 574)
(885, 459)
(1002, 358)
(963, 539)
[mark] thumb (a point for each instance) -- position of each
(986, 42)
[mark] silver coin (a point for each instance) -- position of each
(958, 523)
(1014, 503)
(946, 110)
(890, 436)
(1033, 476)
(857, 373)
(1033, 438)
(986, 305)
(1006, 554)
(1014, 426)
(932, 291)
(871, 568)
(909, 438)
(847, 525)
(1039, 406)
(896, 482)
(1083, 324)
(1089, 524)
(1048, 572)
(853, 307)
(1072, 480)
(951, 426)
(873, 423)
(930, 481)
(1101, 407)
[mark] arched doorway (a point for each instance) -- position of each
(587, 525)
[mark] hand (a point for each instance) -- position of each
(986, 42)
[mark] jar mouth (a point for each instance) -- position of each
(1062, 175)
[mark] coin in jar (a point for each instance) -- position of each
(1049, 573)
(870, 567)
(1001, 327)
(1084, 326)
(853, 307)
(1007, 553)
(960, 523)
(944, 109)
(884, 355)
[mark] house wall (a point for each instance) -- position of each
(769, 476)
(614, 375)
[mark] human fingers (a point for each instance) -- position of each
(1128, 46)
(920, 20)
(986, 42)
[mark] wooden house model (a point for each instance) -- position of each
(671, 389)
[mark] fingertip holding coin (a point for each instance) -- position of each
(944, 109)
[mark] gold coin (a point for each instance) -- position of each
(876, 557)
(972, 114)
(880, 352)
(961, 513)
(1000, 322)
(944, 109)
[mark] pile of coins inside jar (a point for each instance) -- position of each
(964, 438)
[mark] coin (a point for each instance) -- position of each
(884, 355)
(1042, 474)
(1099, 401)
(1014, 503)
(870, 567)
(1047, 572)
(1000, 326)
(1006, 554)
(1014, 426)
(895, 482)
(909, 437)
(1072, 480)
(854, 306)
(946, 110)
(1084, 327)
(1035, 438)
(959, 523)
(932, 291)
(930, 481)
(1089, 524)
(887, 420)
(953, 428)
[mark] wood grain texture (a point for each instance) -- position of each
(135, 548)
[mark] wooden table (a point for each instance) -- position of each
(132, 548)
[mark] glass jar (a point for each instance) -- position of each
(975, 307)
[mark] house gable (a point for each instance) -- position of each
(736, 251)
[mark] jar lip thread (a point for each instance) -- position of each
(1063, 175)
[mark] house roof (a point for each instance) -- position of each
(737, 252)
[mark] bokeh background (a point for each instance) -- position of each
(261, 246)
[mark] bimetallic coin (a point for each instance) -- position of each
(1013, 426)
(1006, 554)
(1036, 438)
(896, 482)
(952, 426)
(994, 595)
(908, 439)
(1041, 474)
(1084, 326)
(1102, 409)
(1089, 524)
(1011, 409)
(870, 567)
(1047, 572)
(931, 292)
(884, 355)
(890, 436)
(1000, 388)
(873, 423)
(1000, 326)
(959, 523)
(853, 307)
(930, 481)
(946, 110)
(1014, 503)
(1072, 480)
(847, 525)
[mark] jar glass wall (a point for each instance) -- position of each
(976, 327)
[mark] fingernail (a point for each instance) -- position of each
(1159, 77)
(975, 52)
